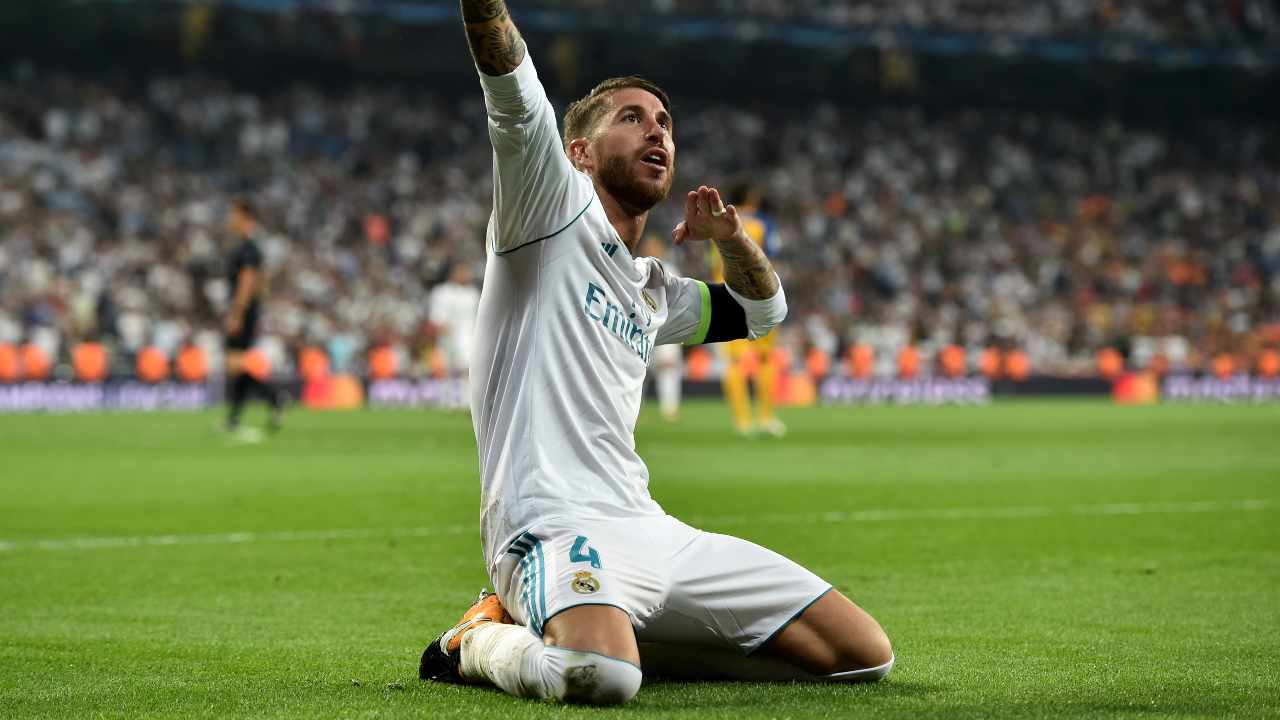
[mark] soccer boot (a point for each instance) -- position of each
(773, 427)
(442, 659)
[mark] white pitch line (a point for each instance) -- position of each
(990, 513)
(235, 538)
(976, 513)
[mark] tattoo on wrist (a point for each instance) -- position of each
(747, 270)
(498, 50)
(495, 42)
(479, 11)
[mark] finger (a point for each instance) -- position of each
(732, 212)
(704, 201)
(717, 204)
(678, 235)
(690, 205)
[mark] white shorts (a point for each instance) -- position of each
(457, 354)
(678, 584)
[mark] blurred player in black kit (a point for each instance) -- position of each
(248, 288)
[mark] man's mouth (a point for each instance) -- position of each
(655, 158)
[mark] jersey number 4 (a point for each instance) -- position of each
(576, 554)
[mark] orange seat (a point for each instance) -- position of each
(35, 362)
(1269, 364)
(699, 364)
(952, 361)
(817, 363)
(383, 364)
(908, 362)
(313, 364)
(989, 363)
(193, 366)
(1110, 363)
(10, 367)
(89, 359)
(152, 365)
(1017, 365)
(861, 361)
(1224, 366)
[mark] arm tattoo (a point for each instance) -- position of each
(747, 269)
(495, 42)
(479, 11)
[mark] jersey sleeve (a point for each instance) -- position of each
(536, 191)
(698, 312)
(248, 256)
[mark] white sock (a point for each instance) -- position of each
(510, 657)
(857, 676)
(669, 390)
(495, 652)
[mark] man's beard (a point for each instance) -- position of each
(618, 176)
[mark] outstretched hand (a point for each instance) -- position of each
(707, 218)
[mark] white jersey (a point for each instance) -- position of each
(567, 325)
(454, 307)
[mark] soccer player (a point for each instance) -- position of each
(453, 306)
(586, 565)
(739, 353)
(248, 287)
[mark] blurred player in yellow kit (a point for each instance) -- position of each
(741, 355)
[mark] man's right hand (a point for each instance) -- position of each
(495, 42)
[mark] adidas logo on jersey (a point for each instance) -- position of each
(609, 248)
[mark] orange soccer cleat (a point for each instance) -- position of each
(442, 658)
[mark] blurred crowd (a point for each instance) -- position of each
(893, 226)
(1189, 22)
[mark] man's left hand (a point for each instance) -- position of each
(707, 218)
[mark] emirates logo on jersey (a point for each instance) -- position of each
(631, 328)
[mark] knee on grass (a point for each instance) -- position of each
(865, 661)
(591, 679)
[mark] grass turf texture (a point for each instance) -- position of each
(1047, 610)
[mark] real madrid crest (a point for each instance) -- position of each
(584, 583)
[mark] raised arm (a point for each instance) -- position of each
(536, 192)
(495, 42)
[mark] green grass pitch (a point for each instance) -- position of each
(1028, 559)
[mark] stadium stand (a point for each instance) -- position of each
(980, 228)
(1192, 22)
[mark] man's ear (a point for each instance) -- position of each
(580, 154)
